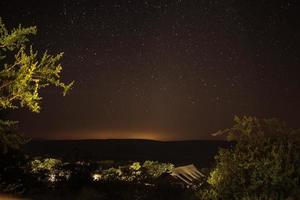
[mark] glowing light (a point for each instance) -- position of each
(9, 197)
(110, 134)
(97, 177)
(52, 178)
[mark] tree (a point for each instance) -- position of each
(23, 72)
(263, 164)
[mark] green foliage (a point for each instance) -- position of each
(23, 72)
(156, 169)
(134, 172)
(264, 164)
(46, 164)
(122, 173)
(112, 174)
(16, 38)
(49, 170)
(136, 166)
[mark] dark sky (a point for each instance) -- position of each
(173, 69)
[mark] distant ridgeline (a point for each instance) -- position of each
(198, 152)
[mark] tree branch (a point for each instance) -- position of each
(6, 84)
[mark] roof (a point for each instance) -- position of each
(189, 174)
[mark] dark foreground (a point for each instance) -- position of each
(146, 170)
(109, 169)
(48, 178)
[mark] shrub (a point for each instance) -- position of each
(49, 170)
(12, 159)
(135, 166)
(134, 172)
(264, 163)
(156, 169)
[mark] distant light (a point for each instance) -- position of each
(112, 134)
(9, 197)
(96, 177)
(52, 178)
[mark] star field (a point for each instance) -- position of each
(178, 69)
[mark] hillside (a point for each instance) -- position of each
(199, 152)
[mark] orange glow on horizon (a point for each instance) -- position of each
(109, 134)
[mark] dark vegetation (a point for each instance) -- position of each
(47, 178)
(263, 163)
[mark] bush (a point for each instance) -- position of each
(12, 159)
(264, 163)
(49, 170)
(156, 169)
(148, 171)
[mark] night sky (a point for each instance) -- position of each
(164, 70)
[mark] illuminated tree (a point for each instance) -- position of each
(23, 71)
(264, 163)
(156, 169)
